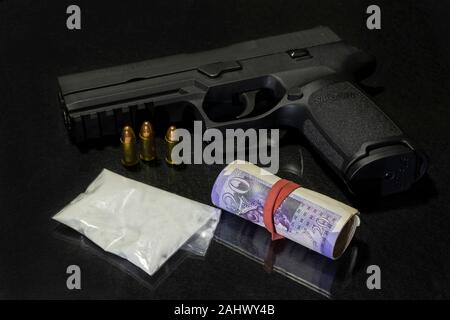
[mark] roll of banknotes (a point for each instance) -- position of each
(309, 218)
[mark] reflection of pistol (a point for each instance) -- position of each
(302, 80)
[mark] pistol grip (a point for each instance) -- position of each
(367, 150)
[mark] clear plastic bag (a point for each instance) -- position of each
(198, 244)
(140, 223)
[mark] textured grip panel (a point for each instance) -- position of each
(349, 118)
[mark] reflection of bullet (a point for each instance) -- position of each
(128, 143)
(147, 142)
(171, 141)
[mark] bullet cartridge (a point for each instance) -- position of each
(146, 135)
(129, 150)
(171, 140)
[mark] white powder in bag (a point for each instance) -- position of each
(140, 223)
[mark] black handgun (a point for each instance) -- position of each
(304, 80)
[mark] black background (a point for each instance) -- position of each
(40, 170)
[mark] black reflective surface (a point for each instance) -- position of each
(406, 235)
(287, 258)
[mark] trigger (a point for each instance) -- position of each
(249, 100)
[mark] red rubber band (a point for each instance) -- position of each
(279, 192)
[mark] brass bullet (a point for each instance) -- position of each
(171, 140)
(128, 143)
(147, 142)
